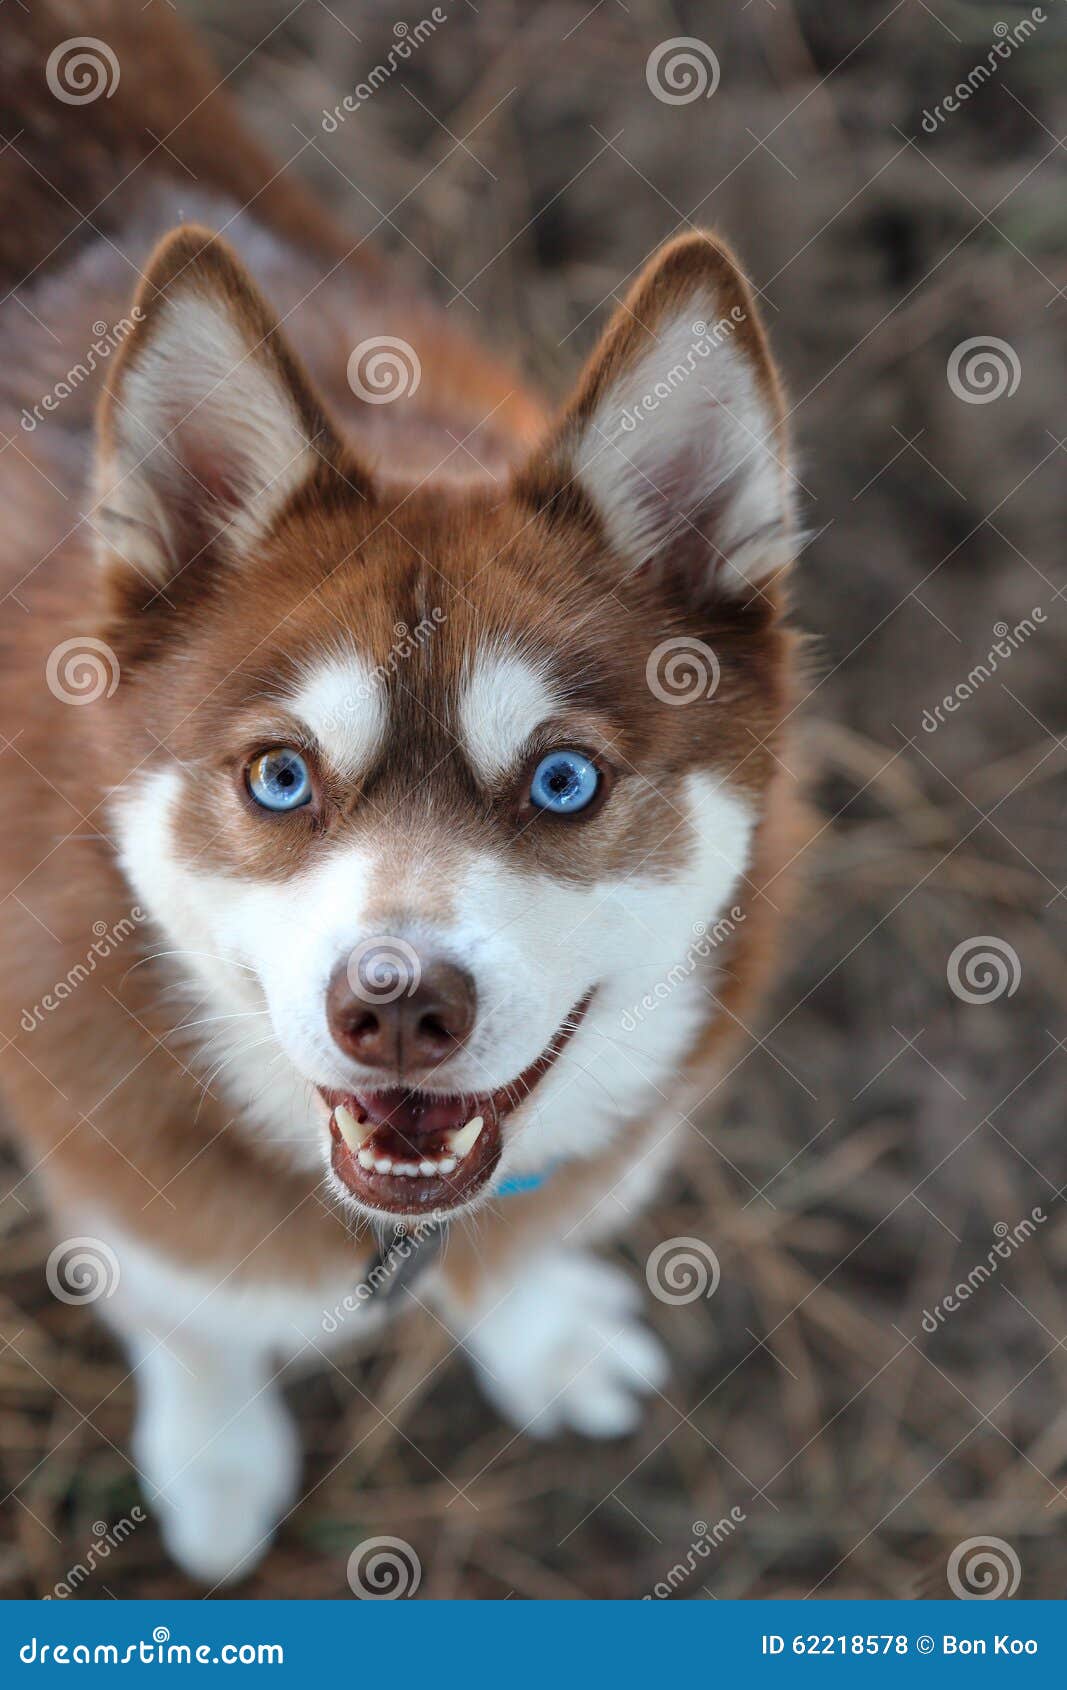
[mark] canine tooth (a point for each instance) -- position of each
(465, 1138)
(446, 1165)
(366, 1159)
(348, 1127)
(427, 1168)
(383, 1164)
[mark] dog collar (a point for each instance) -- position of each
(385, 1276)
(524, 1182)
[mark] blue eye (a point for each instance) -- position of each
(279, 779)
(564, 782)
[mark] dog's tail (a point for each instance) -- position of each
(102, 95)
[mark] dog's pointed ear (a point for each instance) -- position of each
(674, 439)
(207, 425)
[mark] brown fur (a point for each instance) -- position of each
(107, 1110)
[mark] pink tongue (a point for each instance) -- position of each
(411, 1114)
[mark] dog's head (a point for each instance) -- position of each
(439, 793)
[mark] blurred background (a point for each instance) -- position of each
(832, 1427)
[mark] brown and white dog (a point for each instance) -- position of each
(409, 756)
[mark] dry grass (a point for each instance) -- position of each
(861, 1156)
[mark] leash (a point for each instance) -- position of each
(406, 1256)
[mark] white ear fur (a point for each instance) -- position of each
(204, 439)
(675, 434)
(681, 453)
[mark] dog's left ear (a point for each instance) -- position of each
(675, 436)
(207, 426)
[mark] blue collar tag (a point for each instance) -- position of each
(525, 1182)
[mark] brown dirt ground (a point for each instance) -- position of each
(874, 1138)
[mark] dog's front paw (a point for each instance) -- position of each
(218, 1482)
(566, 1348)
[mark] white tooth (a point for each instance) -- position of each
(366, 1159)
(408, 1168)
(465, 1138)
(383, 1165)
(348, 1127)
(426, 1168)
(446, 1165)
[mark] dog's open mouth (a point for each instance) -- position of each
(414, 1152)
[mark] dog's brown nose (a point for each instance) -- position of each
(390, 1007)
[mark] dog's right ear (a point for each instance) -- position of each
(207, 426)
